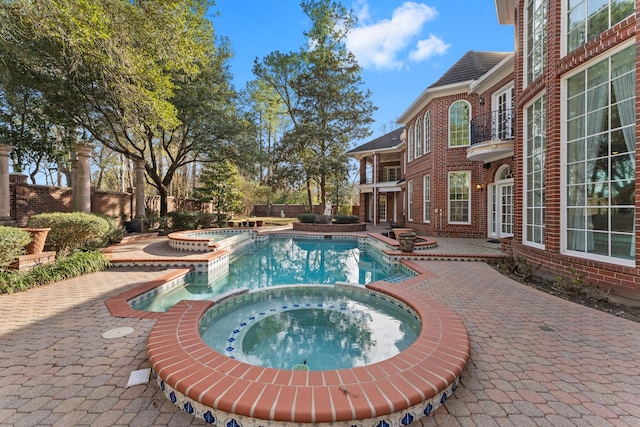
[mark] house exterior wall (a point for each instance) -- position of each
(551, 259)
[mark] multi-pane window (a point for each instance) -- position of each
(588, 18)
(418, 138)
(600, 158)
(535, 150)
(427, 132)
(536, 16)
(382, 207)
(391, 173)
(459, 130)
(426, 189)
(410, 144)
(410, 200)
(459, 196)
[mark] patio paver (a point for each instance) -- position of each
(535, 359)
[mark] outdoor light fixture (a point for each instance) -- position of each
(479, 187)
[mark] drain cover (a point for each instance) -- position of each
(117, 332)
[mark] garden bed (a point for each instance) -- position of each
(329, 228)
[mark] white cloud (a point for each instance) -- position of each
(381, 44)
(428, 48)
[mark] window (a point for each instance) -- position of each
(427, 132)
(535, 146)
(459, 131)
(391, 173)
(600, 158)
(410, 144)
(426, 189)
(410, 200)
(418, 138)
(588, 18)
(536, 17)
(368, 173)
(459, 197)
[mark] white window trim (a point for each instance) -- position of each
(426, 196)
(525, 56)
(410, 200)
(563, 157)
(525, 171)
(426, 133)
(468, 198)
(449, 124)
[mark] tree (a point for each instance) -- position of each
(145, 79)
(321, 88)
(220, 184)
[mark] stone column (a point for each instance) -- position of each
(5, 191)
(82, 187)
(140, 170)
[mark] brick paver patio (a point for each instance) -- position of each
(535, 359)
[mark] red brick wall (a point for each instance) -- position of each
(619, 280)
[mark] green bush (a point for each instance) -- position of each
(346, 219)
(184, 220)
(71, 231)
(12, 243)
(65, 267)
(115, 233)
(307, 218)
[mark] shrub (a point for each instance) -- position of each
(65, 267)
(71, 231)
(115, 233)
(12, 243)
(307, 218)
(346, 219)
(184, 220)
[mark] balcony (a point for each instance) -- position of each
(492, 136)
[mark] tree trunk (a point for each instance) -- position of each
(162, 192)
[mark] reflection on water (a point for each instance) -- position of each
(282, 261)
(322, 327)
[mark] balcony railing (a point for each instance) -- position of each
(496, 125)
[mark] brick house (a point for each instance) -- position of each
(453, 161)
(576, 90)
(382, 168)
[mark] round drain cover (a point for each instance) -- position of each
(117, 332)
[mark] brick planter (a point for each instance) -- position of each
(329, 228)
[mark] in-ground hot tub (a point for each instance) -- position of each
(223, 390)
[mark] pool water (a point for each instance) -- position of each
(284, 261)
(321, 328)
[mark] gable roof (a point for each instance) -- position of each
(387, 141)
(471, 66)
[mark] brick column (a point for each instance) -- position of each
(140, 169)
(5, 192)
(82, 186)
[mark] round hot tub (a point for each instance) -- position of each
(318, 327)
(221, 389)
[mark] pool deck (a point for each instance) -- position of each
(535, 359)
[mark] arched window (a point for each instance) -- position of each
(418, 146)
(410, 143)
(427, 132)
(459, 119)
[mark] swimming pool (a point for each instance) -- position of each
(318, 327)
(284, 261)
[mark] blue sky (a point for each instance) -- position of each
(402, 46)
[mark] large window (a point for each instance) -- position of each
(427, 132)
(536, 16)
(459, 197)
(418, 138)
(410, 200)
(426, 195)
(534, 163)
(459, 131)
(600, 158)
(588, 18)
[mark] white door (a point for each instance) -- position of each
(501, 204)
(382, 206)
(502, 111)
